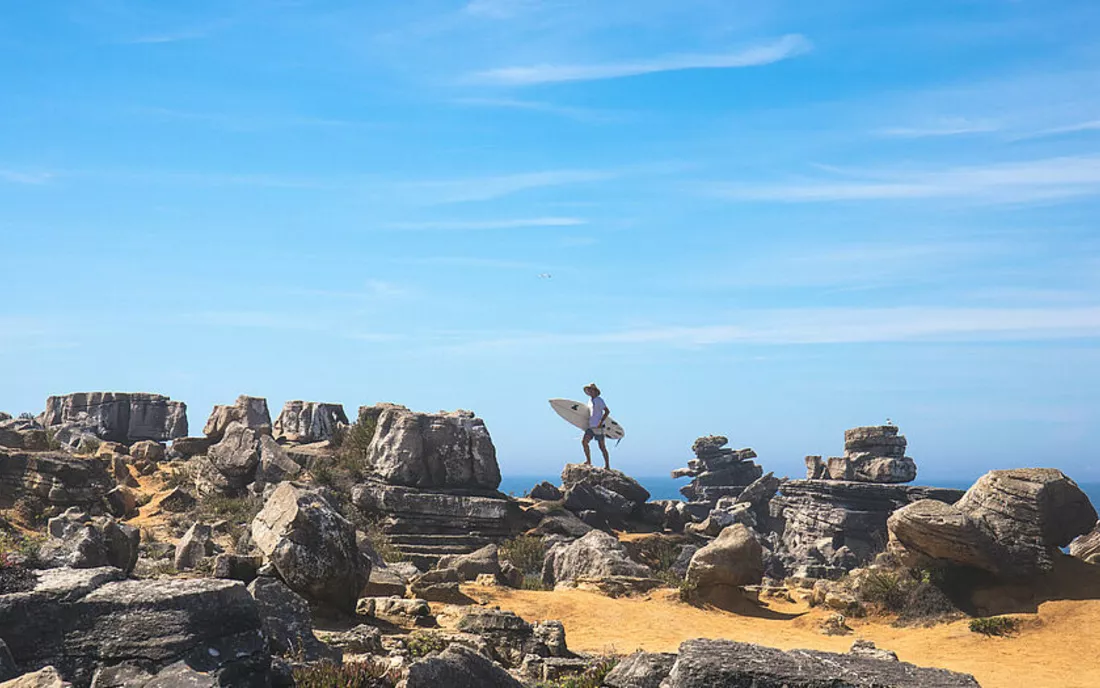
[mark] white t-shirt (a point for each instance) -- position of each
(595, 412)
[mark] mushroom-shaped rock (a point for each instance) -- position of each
(312, 546)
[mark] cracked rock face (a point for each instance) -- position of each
(80, 620)
(309, 421)
(120, 416)
(595, 555)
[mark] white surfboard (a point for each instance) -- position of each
(576, 413)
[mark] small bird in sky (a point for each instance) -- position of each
(545, 275)
(889, 422)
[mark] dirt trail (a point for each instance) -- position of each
(1057, 648)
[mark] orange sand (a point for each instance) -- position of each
(1057, 648)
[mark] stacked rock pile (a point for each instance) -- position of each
(718, 471)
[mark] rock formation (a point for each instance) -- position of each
(594, 556)
(309, 421)
(312, 546)
(251, 412)
(119, 416)
(1009, 523)
(732, 560)
(1087, 546)
(79, 541)
(52, 479)
(874, 454)
(717, 472)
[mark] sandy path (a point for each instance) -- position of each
(1058, 648)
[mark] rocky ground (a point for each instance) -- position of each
(315, 551)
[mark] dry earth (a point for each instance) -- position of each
(1059, 647)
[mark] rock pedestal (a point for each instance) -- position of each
(309, 421)
(874, 454)
(251, 412)
(120, 416)
(718, 472)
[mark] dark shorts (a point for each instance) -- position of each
(591, 433)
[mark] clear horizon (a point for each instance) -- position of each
(768, 221)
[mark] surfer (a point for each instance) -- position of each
(598, 412)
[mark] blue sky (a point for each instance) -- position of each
(770, 220)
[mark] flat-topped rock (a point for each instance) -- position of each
(251, 412)
(616, 481)
(120, 416)
(53, 479)
(309, 421)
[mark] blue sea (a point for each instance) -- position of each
(664, 487)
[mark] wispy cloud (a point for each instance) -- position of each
(487, 188)
(462, 225)
(784, 48)
(1076, 128)
(17, 177)
(247, 122)
(574, 113)
(474, 262)
(498, 9)
(838, 326)
(950, 127)
(1034, 180)
(190, 33)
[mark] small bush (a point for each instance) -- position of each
(88, 445)
(885, 588)
(423, 643)
(670, 578)
(592, 677)
(26, 415)
(236, 510)
(52, 442)
(369, 674)
(526, 552)
(995, 625)
(533, 581)
(657, 552)
(180, 477)
(689, 591)
(17, 555)
(29, 511)
(381, 542)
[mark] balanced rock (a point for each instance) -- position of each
(717, 471)
(312, 546)
(237, 454)
(874, 454)
(309, 421)
(593, 556)
(250, 412)
(546, 491)
(431, 450)
(119, 416)
(1010, 523)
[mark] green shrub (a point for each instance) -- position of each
(995, 625)
(88, 445)
(424, 643)
(369, 674)
(592, 677)
(52, 442)
(689, 591)
(526, 553)
(533, 581)
(235, 510)
(381, 542)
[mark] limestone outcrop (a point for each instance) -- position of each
(312, 546)
(309, 421)
(53, 479)
(119, 416)
(431, 450)
(717, 472)
(1087, 546)
(1010, 523)
(251, 412)
(732, 560)
(80, 541)
(596, 555)
(872, 454)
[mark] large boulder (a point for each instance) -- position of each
(79, 620)
(595, 555)
(641, 670)
(275, 463)
(728, 664)
(309, 421)
(1087, 546)
(873, 454)
(195, 545)
(237, 455)
(80, 541)
(459, 667)
(431, 450)
(1010, 523)
(312, 546)
(250, 412)
(46, 677)
(616, 481)
(470, 566)
(287, 624)
(120, 416)
(733, 559)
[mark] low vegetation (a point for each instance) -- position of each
(917, 596)
(18, 554)
(995, 625)
(533, 581)
(424, 643)
(381, 542)
(525, 552)
(368, 674)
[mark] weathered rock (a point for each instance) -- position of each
(1087, 546)
(872, 469)
(546, 491)
(309, 421)
(312, 546)
(760, 492)
(440, 450)
(119, 416)
(581, 497)
(1010, 523)
(287, 624)
(47, 677)
(815, 468)
(616, 481)
(866, 648)
(459, 667)
(361, 639)
(242, 567)
(827, 527)
(23, 433)
(384, 582)
(186, 447)
(8, 670)
(80, 541)
(79, 620)
(470, 566)
(147, 450)
(52, 479)
(717, 471)
(641, 670)
(722, 663)
(237, 455)
(551, 635)
(721, 518)
(558, 521)
(398, 607)
(510, 576)
(734, 559)
(275, 464)
(121, 502)
(440, 585)
(251, 412)
(177, 500)
(595, 555)
(195, 545)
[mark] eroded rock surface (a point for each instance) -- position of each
(119, 416)
(309, 421)
(593, 556)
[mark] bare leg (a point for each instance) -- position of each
(606, 457)
(587, 450)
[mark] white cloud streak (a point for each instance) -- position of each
(464, 225)
(954, 127)
(488, 188)
(784, 48)
(16, 177)
(1015, 182)
(574, 113)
